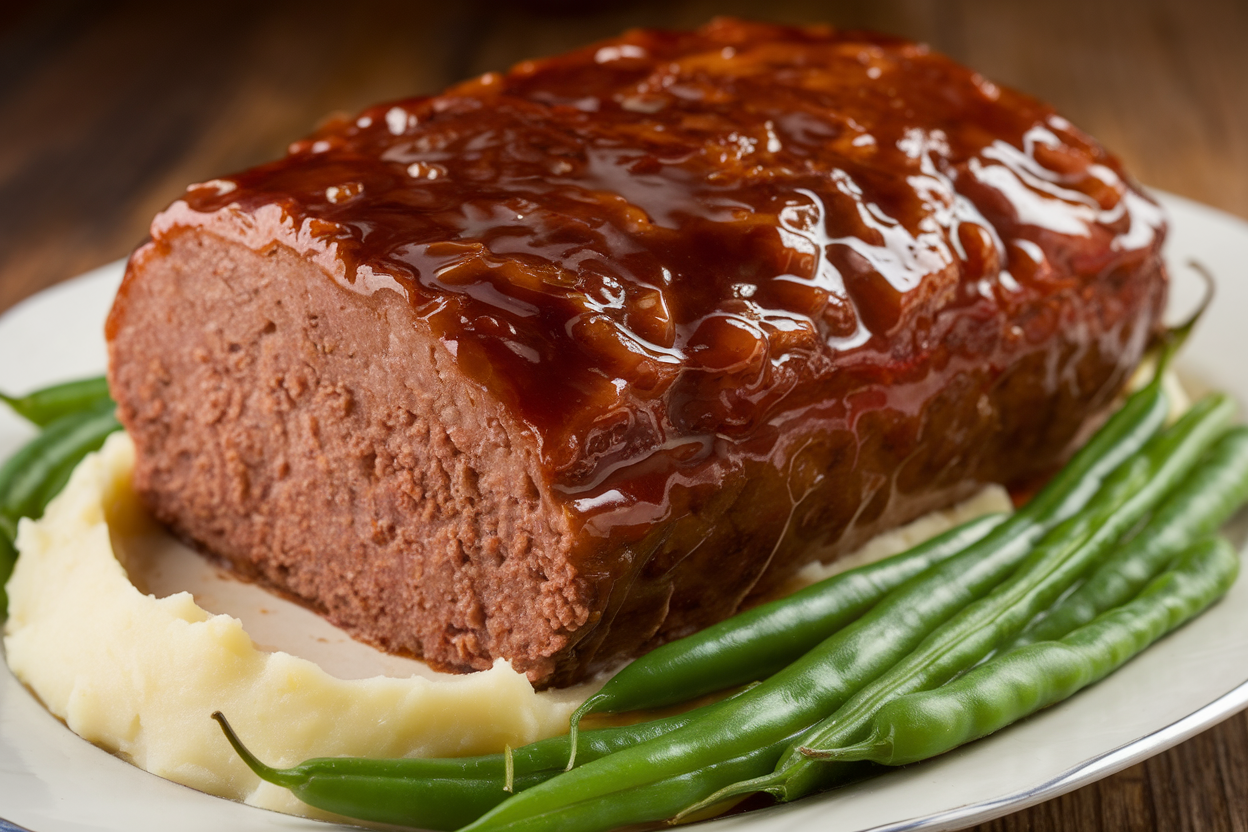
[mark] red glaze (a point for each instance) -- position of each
(664, 251)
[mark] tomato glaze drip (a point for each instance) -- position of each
(669, 244)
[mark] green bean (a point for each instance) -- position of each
(25, 479)
(1062, 556)
(820, 681)
(45, 406)
(1204, 501)
(437, 793)
(650, 803)
(756, 643)
(66, 459)
(38, 471)
(8, 557)
(1019, 683)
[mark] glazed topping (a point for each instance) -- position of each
(674, 239)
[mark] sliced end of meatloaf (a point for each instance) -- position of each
(295, 432)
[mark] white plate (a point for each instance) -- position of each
(52, 781)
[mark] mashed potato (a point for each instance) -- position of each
(139, 675)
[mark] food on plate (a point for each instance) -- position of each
(75, 419)
(567, 362)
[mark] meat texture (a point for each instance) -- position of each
(567, 362)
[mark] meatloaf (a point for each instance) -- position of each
(566, 362)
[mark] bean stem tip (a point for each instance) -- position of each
(264, 772)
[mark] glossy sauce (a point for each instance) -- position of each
(670, 248)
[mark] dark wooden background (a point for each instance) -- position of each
(108, 109)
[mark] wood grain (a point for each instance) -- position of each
(109, 109)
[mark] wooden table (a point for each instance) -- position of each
(107, 110)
